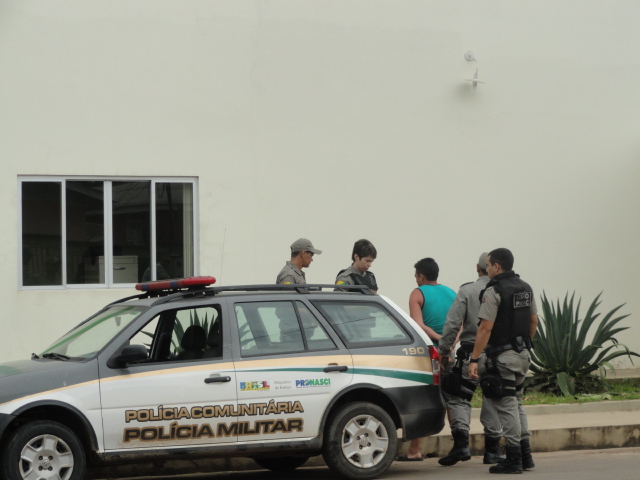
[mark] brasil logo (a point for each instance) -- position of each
(262, 385)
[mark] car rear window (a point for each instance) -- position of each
(362, 324)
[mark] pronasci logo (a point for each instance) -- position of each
(313, 382)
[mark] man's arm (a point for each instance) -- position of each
(533, 326)
(287, 279)
(453, 324)
(457, 337)
(452, 328)
(416, 301)
(482, 338)
(343, 279)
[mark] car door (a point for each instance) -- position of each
(185, 393)
(288, 369)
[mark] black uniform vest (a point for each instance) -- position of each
(514, 312)
(368, 279)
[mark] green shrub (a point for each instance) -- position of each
(563, 362)
(178, 330)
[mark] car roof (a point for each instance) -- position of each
(171, 295)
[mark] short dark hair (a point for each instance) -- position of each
(503, 257)
(428, 267)
(363, 248)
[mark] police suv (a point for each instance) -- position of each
(186, 370)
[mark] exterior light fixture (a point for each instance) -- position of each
(470, 57)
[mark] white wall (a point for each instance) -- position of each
(338, 120)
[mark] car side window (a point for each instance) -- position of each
(363, 324)
(197, 333)
(146, 335)
(317, 338)
(185, 334)
(268, 328)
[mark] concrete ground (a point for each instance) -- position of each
(583, 464)
(605, 424)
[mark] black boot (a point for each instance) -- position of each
(513, 463)
(492, 451)
(525, 451)
(460, 451)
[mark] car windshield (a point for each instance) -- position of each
(88, 338)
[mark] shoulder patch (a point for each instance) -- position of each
(340, 282)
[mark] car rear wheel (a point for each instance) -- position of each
(43, 450)
(281, 464)
(360, 441)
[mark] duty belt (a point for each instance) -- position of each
(490, 351)
(518, 344)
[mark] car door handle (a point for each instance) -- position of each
(217, 379)
(335, 368)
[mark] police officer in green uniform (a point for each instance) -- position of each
(363, 255)
(457, 387)
(302, 252)
(508, 322)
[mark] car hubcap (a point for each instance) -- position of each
(364, 441)
(46, 456)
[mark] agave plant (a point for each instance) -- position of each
(178, 329)
(564, 361)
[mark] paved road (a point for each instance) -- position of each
(583, 465)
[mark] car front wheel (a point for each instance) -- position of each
(43, 450)
(360, 441)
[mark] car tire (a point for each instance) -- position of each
(43, 449)
(281, 464)
(360, 441)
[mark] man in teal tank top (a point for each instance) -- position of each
(437, 301)
(428, 307)
(430, 302)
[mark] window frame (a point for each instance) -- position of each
(408, 340)
(108, 226)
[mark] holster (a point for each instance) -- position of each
(518, 344)
(453, 383)
(492, 385)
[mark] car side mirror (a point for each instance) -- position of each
(129, 354)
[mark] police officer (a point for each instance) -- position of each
(508, 322)
(458, 388)
(302, 252)
(363, 255)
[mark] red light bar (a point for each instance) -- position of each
(175, 283)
